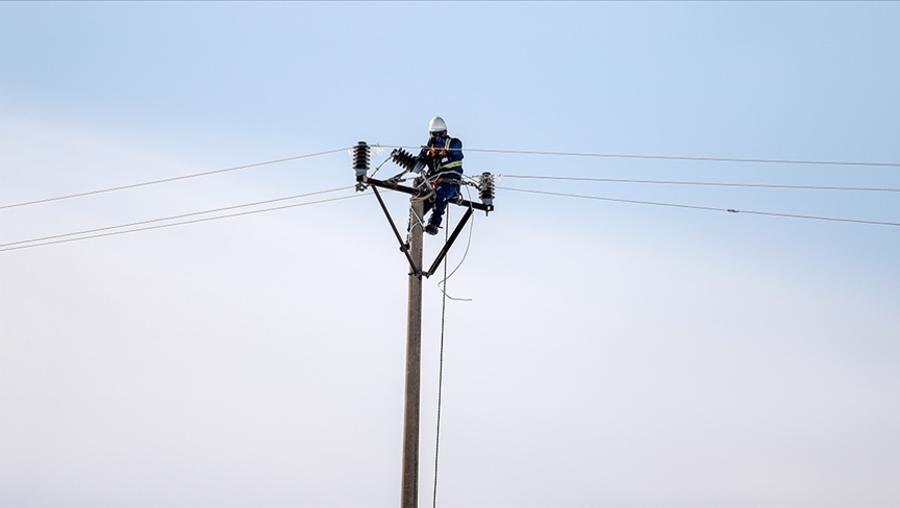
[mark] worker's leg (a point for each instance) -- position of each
(427, 205)
(442, 194)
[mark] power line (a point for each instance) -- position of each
(204, 219)
(707, 208)
(172, 179)
(173, 217)
(715, 184)
(670, 157)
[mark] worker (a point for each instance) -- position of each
(443, 158)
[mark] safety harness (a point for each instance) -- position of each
(448, 165)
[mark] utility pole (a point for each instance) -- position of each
(412, 249)
(409, 494)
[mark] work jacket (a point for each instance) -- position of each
(443, 156)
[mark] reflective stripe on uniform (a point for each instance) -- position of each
(450, 165)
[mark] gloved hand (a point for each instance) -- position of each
(436, 152)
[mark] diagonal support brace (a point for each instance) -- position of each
(404, 247)
(394, 186)
(443, 252)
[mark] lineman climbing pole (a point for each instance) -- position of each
(420, 191)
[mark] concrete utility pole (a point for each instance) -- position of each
(412, 249)
(409, 495)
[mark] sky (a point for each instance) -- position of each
(613, 355)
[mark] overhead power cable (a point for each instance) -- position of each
(714, 184)
(173, 178)
(707, 208)
(172, 224)
(670, 157)
(173, 217)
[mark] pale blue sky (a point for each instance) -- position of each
(242, 81)
(706, 359)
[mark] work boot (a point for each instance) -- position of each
(432, 229)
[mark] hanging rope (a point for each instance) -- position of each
(442, 284)
(437, 438)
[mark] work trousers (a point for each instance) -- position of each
(438, 202)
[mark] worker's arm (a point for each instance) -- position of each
(426, 155)
(455, 151)
(421, 160)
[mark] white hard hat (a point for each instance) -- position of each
(437, 124)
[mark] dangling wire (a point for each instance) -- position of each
(442, 284)
(437, 438)
(379, 166)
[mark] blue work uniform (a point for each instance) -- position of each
(443, 157)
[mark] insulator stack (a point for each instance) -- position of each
(486, 188)
(361, 160)
(403, 159)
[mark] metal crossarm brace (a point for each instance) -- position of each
(403, 245)
(443, 252)
(415, 192)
